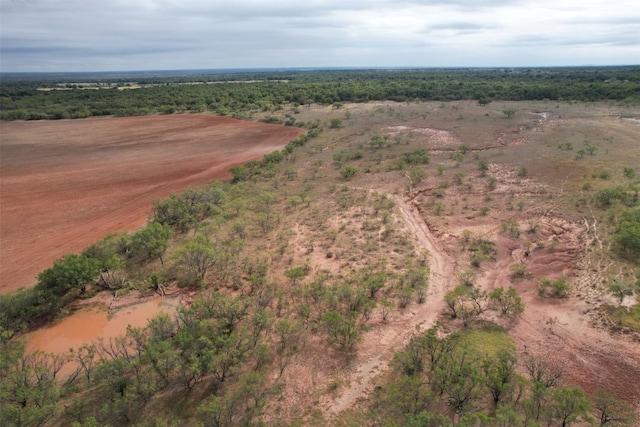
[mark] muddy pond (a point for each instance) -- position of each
(88, 324)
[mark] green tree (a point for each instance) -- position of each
(238, 404)
(508, 303)
(29, 390)
(288, 338)
(545, 375)
(198, 256)
(295, 273)
(174, 212)
(408, 396)
(377, 141)
(628, 237)
(591, 149)
(375, 281)
(499, 373)
(456, 299)
(511, 226)
(110, 251)
(69, 272)
(620, 289)
(558, 288)
(522, 172)
(483, 166)
(629, 172)
(568, 405)
(335, 123)
(457, 376)
(518, 269)
(343, 331)
(612, 412)
(509, 112)
(348, 172)
(151, 241)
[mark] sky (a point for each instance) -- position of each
(129, 35)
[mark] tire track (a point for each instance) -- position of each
(379, 345)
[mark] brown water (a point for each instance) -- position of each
(87, 325)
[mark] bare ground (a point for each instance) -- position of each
(66, 184)
(379, 345)
(562, 330)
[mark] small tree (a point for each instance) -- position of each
(511, 226)
(628, 237)
(620, 290)
(568, 404)
(518, 270)
(509, 112)
(296, 273)
(152, 241)
(612, 412)
(629, 172)
(483, 165)
(455, 299)
(198, 256)
(499, 373)
(343, 331)
(348, 172)
(491, 183)
(558, 288)
(508, 303)
(522, 172)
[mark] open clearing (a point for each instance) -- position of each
(66, 184)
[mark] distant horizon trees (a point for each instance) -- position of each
(23, 99)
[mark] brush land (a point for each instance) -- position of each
(401, 263)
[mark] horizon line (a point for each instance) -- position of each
(312, 68)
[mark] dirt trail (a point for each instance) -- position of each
(381, 342)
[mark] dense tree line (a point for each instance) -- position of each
(244, 93)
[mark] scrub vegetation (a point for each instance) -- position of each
(433, 250)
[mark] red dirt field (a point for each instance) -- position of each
(66, 184)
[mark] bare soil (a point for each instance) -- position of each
(566, 241)
(66, 184)
(379, 345)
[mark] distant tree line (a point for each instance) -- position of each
(243, 93)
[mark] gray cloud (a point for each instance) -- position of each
(79, 35)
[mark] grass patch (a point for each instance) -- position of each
(628, 318)
(488, 341)
(623, 319)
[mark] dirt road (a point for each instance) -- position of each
(378, 345)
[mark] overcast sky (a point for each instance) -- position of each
(112, 35)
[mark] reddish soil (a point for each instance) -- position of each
(66, 184)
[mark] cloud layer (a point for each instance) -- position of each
(91, 35)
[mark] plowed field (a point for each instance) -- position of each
(66, 184)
